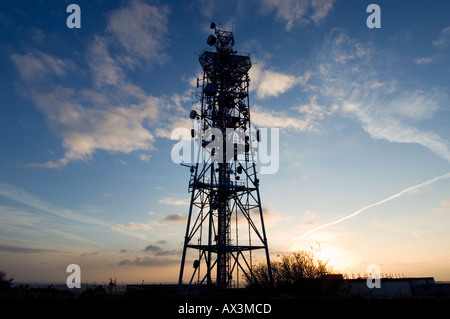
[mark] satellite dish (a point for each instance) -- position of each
(212, 25)
(193, 114)
(210, 89)
(211, 40)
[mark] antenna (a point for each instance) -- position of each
(225, 221)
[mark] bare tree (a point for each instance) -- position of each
(290, 269)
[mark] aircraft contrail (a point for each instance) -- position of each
(431, 181)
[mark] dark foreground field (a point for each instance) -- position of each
(164, 301)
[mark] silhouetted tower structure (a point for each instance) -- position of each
(225, 222)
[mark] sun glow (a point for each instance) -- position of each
(338, 259)
(323, 252)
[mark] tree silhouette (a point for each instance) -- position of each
(290, 270)
(5, 284)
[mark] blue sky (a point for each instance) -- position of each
(86, 175)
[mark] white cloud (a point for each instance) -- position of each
(174, 201)
(133, 230)
(172, 123)
(11, 217)
(144, 157)
(444, 38)
(38, 65)
(376, 84)
(270, 215)
(443, 207)
(306, 119)
(274, 83)
(393, 118)
(85, 130)
(264, 118)
(132, 226)
(268, 83)
(138, 31)
(415, 105)
(313, 111)
(103, 67)
(19, 195)
(424, 60)
(141, 30)
(300, 12)
(206, 7)
(117, 116)
(321, 8)
(385, 109)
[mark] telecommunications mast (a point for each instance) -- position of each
(225, 225)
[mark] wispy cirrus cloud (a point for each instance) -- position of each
(444, 206)
(132, 225)
(85, 130)
(300, 12)
(25, 250)
(385, 108)
(424, 60)
(137, 230)
(37, 65)
(444, 38)
(21, 222)
(303, 118)
(21, 196)
(141, 30)
(104, 69)
(279, 119)
(173, 201)
(115, 115)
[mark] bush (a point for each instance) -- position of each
(5, 284)
(290, 270)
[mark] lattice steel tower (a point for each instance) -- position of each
(225, 222)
